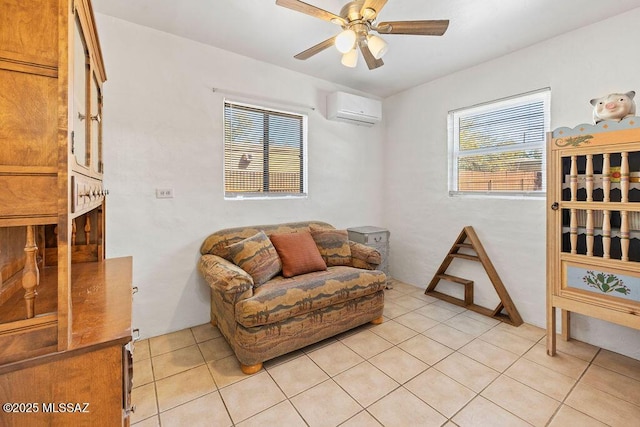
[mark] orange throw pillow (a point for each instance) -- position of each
(298, 253)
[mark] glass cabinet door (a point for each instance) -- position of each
(80, 74)
(96, 126)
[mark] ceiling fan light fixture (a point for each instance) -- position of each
(377, 46)
(368, 13)
(350, 59)
(345, 41)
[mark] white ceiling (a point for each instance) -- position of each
(479, 30)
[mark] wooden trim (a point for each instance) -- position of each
(29, 68)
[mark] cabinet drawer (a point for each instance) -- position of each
(86, 193)
(369, 237)
(25, 195)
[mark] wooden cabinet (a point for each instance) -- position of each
(65, 311)
(593, 224)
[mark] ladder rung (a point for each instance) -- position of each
(464, 245)
(455, 279)
(465, 256)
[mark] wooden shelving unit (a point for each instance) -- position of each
(505, 311)
(593, 256)
(65, 311)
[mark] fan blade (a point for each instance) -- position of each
(371, 61)
(421, 28)
(309, 9)
(316, 49)
(376, 5)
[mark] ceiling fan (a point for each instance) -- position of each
(358, 21)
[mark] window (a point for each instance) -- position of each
(498, 148)
(264, 152)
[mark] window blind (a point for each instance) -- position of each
(499, 148)
(263, 151)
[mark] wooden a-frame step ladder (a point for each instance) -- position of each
(511, 316)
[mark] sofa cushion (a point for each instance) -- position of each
(257, 256)
(333, 245)
(282, 298)
(298, 253)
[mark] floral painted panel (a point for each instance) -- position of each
(605, 283)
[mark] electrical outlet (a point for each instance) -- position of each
(164, 193)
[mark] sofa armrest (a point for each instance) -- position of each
(224, 276)
(363, 256)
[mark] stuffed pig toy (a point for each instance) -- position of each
(615, 106)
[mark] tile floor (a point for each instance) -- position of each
(429, 364)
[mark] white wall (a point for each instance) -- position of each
(425, 221)
(163, 128)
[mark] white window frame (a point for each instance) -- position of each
(454, 116)
(267, 195)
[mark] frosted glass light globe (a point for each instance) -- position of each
(350, 59)
(345, 41)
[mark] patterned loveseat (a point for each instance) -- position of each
(261, 321)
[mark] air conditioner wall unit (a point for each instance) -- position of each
(345, 107)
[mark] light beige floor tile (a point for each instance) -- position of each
(328, 341)
(205, 332)
(577, 349)
(366, 383)
(398, 364)
(283, 359)
(451, 337)
(405, 288)
(392, 294)
(538, 377)
(561, 362)
(567, 417)
(468, 325)
(618, 363)
(335, 358)
(419, 293)
(402, 409)
(325, 405)
(435, 312)
(141, 350)
(426, 349)
(449, 306)
(393, 310)
(177, 361)
(415, 321)
(226, 371)
(283, 414)
(297, 375)
(466, 371)
(440, 392)
(394, 332)
(482, 413)
(171, 342)
(183, 387)
(481, 318)
(204, 411)
(144, 398)
(362, 419)
(500, 337)
(143, 372)
(601, 406)
(530, 332)
(366, 344)
(407, 301)
(525, 402)
(613, 383)
(215, 349)
(488, 354)
(149, 422)
(251, 396)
